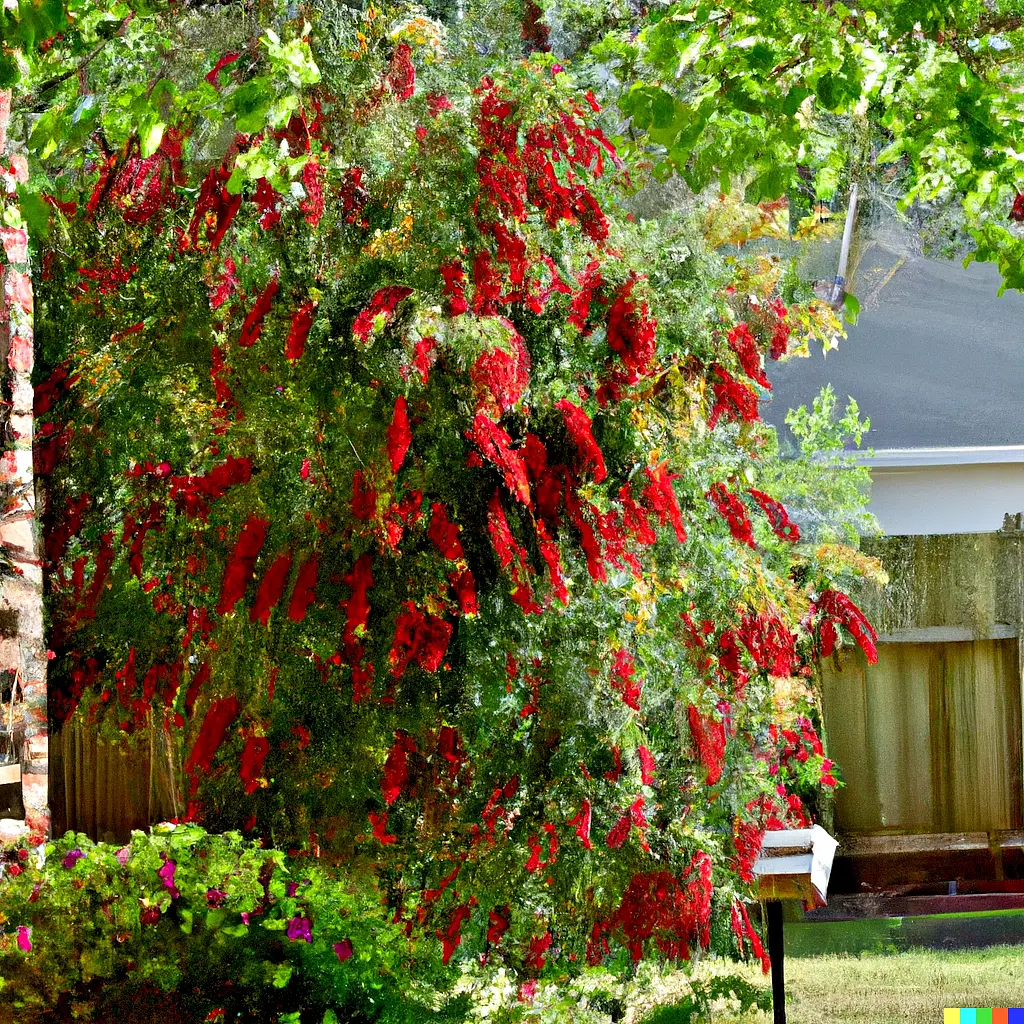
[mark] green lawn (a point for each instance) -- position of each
(913, 986)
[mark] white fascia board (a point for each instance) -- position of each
(883, 458)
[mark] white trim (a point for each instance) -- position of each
(973, 456)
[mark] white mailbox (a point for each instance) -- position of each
(795, 864)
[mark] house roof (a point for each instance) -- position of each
(936, 360)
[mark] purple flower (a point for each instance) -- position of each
(300, 928)
(70, 859)
(166, 874)
(343, 950)
(24, 940)
(123, 854)
(245, 918)
(215, 898)
(292, 888)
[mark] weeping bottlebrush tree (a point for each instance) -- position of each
(409, 486)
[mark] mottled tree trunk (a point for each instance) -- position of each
(22, 644)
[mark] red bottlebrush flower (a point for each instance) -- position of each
(737, 401)
(747, 837)
(253, 326)
(465, 591)
(619, 832)
(454, 287)
(243, 560)
(588, 539)
(379, 823)
(841, 609)
(211, 734)
(635, 519)
(444, 533)
(648, 765)
(590, 281)
(302, 321)
(709, 738)
(780, 329)
(591, 217)
(400, 77)
(312, 206)
(622, 680)
(501, 377)
(578, 424)
(734, 512)
(631, 331)
(228, 58)
(253, 756)
(302, 734)
(494, 443)
(437, 102)
(661, 496)
(1017, 210)
(498, 921)
(304, 592)
(418, 637)
(534, 862)
(487, 285)
(582, 824)
(214, 199)
(511, 553)
(271, 589)
(266, 199)
(451, 936)
(396, 767)
(755, 942)
(192, 494)
(771, 644)
(539, 945)
(742, 342)
(383, 304)
(552, 555)
(535, 32)
(399, 434)
(364, 497)
(778, 517)
(357, 607)
(424, 355)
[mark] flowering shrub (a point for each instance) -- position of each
(401, 472)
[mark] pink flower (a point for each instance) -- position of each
(70, 859)
(123, 854)
(166, 874)
(24, 939)
(343, 950)
(300, 928)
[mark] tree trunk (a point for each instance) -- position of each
(22, 644)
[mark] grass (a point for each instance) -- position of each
(898, 988)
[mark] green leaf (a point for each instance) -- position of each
(35, 211)
(281, 975)
(851, 308)
(251, 103)
(151, 137)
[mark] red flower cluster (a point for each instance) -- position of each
(215, 208)
(396, 767)
(770, 643)
(648, 765)
(582, 824)
(419, 637)
(444, 533)
(656, 905)
(734, 400)
(755, 940)
(304, 591)
(511, 553)
(778, 517)
(623, 683)
(454, 287)
(780, 329)
(747, 837)
(192, 494)
(302, 321)
(836, 608)
(631, 331)
(578, 424)
(494, 443)
(383, 304)
(211, 734)
(742, 342)
(733, 511)
(1017, 210)
(312, 206)
(243, 560)
(253, 326)
(661, 496)
(253, 755)
(709, 737)
(399, 436)
(500, 377)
